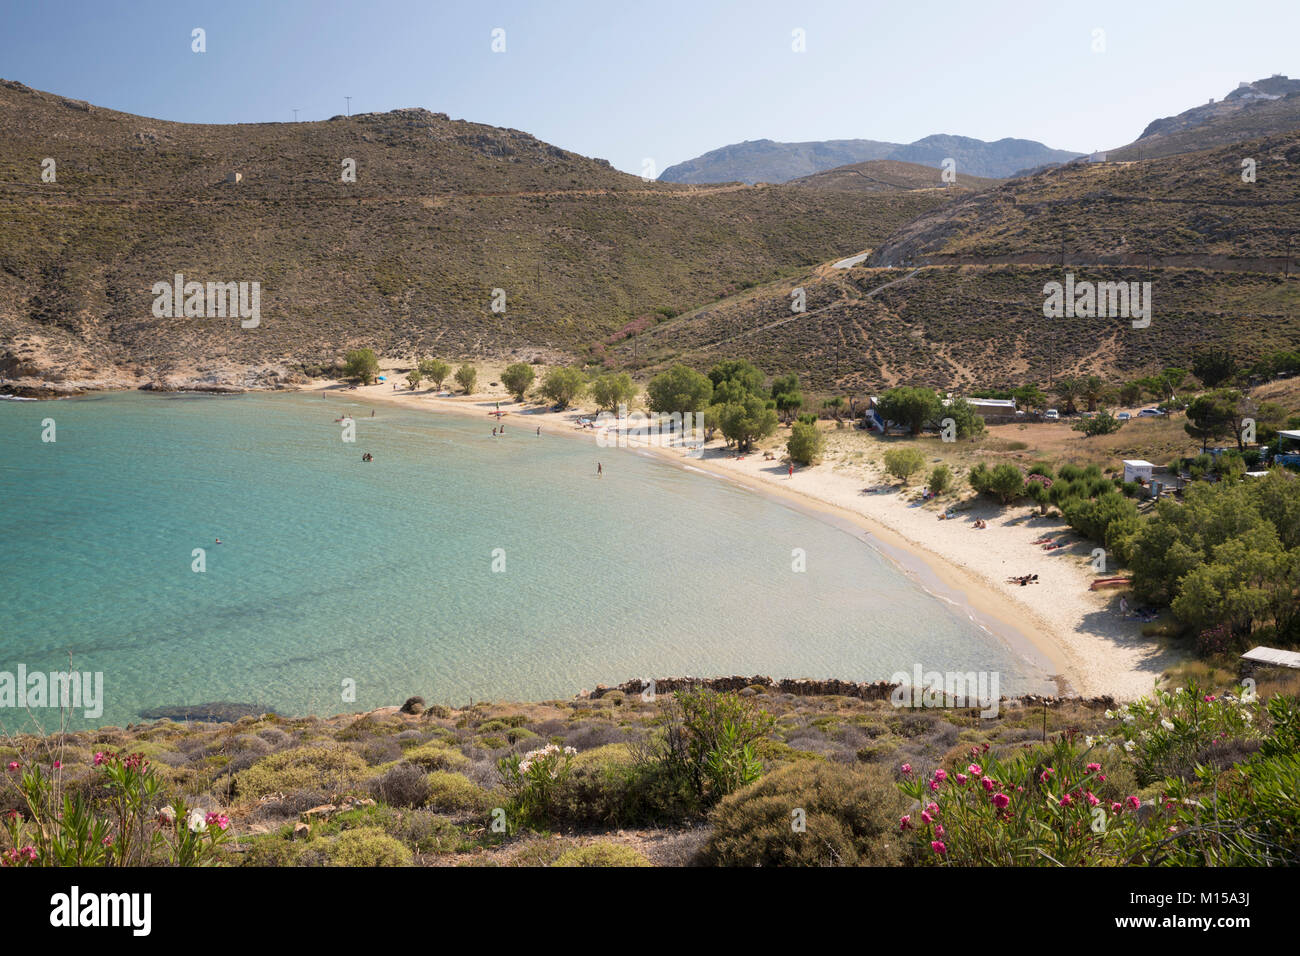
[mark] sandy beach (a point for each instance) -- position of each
(1076, 635)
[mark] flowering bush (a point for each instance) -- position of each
(1166, 732)
(534, 780)
(120, 829)
(1036, 808)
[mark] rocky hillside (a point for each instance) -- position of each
(955, 297)
(405, 259)
(1263, 108)
(766, 161)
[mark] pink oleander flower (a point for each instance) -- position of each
(1020, 789)
(1000, 800)
(933, 808)
(938, 847)
(987, 784)
(984, 748)
(1066, 800)
(975, 770)
(1133, 802)
(1209, 698)
(962, 778)
(100, 758)
(1093, 800)
(1101, 777)
(906, 822)
(219, 820)
(941, 774)
(107, 841)
(907, 769)
(1093, 767)
(925, 817)
(1042, 777)
(934, 786)
(1116, 807)
(938, 829)
(13, 765)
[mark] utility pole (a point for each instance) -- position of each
(295, 116)
(349, 99)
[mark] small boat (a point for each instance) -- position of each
(1100, 583)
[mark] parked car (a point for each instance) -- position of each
(1123, 416)
(1052, 415)
(1150, 413)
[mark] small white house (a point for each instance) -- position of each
(234, 177)
(1135, 469)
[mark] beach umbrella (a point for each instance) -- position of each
(383, 378)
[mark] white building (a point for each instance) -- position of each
(1135, 469)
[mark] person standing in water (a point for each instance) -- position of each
(539, 431)
(599, 470)
(791, 470)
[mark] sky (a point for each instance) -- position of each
(647, 85)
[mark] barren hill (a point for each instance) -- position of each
(405, 259)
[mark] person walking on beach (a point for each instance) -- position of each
(600, 471)
(539, 431)
(791, 470)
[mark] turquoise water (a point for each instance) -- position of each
(382, 573)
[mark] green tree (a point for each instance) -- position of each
(413, 378)
(733, 380)
(903, 463)
(563, 386)
(1213, 367)
(967, 422)
(1091, 388)
(746, 421)
(788, 398)
(1068, 391)
(1130, 393)
(362, 364)
(909, 406)
(1212, 416)
(517, 379)
(680, 389)
(435, 370)
(805, 444)
(466, 378)
(1103, 423)
(612, 389)
(1030, 397)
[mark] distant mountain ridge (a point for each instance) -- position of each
(768, 161)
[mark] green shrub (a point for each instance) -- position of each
(329, 768)
(453, 792)
(805, 444)
(940, 479)
(368, 846)
(436, 755)
(849, 818)
(902, 463)
(601, 854)
(710, 739)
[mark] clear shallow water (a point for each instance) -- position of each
(331, 569)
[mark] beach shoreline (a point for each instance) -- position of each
(1072, 635)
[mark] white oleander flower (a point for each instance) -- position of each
(1167, 724)
(197, 823)
(1129, 746)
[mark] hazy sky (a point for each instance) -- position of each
(665, 80)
